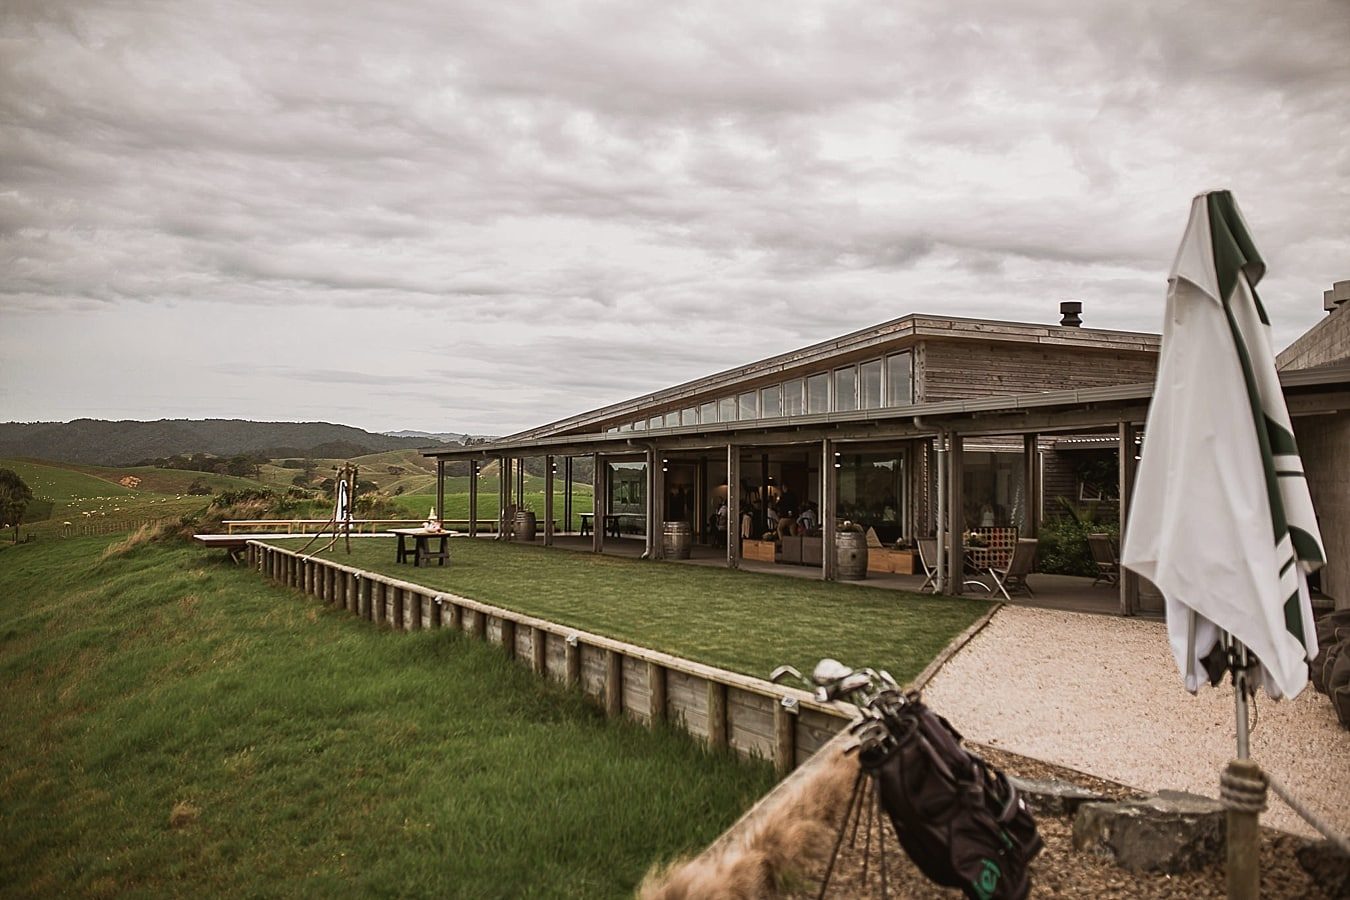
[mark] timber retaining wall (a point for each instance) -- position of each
(754, 717)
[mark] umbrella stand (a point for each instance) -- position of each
(1242, 787)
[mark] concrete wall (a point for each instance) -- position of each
(1324, 444)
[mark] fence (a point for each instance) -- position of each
(309, 526)
(756, 718)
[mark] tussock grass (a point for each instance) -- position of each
(175, 726)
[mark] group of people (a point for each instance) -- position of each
(784, 518)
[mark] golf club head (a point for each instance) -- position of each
(779, 673)
(829, 671)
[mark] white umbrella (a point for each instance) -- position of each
(1221, 520)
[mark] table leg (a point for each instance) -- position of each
(399, 555)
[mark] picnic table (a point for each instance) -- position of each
(421, 549)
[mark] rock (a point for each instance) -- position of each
(1328, 866)
(1171, 832)
(1053, 798)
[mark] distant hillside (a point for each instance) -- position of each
(445, 437)
(98, 442)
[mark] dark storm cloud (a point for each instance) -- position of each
(615, 198)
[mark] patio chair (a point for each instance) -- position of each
(928, 560)
(1013, 577)
(1105, 556)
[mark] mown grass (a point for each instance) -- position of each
(175, 726)
(744, 621)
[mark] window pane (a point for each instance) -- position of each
(672, 418)
(818, 393)
(771, 401)
(626, 426)
(654, 422)
(707, 413)
(846, 389)
(869, 378)
(899, 380)
(792, 398)
(689, 416)
(640, 426)
(749, 409)
(726, 409)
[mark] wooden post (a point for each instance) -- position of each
(412, 610)
(717, 715)
(437, 613)
(396, 617)
(829, 515)
(539, 651)
(509, 637)
(613, 683)
(572, 661)
(473, 498)
(567, 494)
(548, 500)
(656, 521)
(456, 620)
(733, 507)
(440, 488)
(956, 514)
(363, 598)
(503, 498)
(1031, 485)
(1127, 581)
(1244, 839)
(598, 504)
(784, 739)
(656, 684)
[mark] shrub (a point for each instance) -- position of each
(1064, 548)
(245, 495)
(199, 488)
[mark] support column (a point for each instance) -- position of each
(701, 511)
(1031, 485)
(733, 507)
(520, 482)
(598, 504)
(1127, 581)
(503, 493)
(956, 514)
(548, 500)
(440, 489)
(473, 498)
(829, 501)
(567, 494)
(656, 516)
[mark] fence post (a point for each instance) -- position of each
(363, 598)
(377, 601)
(717, 715)
(456, 617)
(539, 651)
(572, 660)
(613, 683)
(784, 739)
(656, 683)
(412, 610)
(509, 637)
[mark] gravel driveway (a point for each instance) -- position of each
(1101, 694)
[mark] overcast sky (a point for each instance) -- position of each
(483, 216)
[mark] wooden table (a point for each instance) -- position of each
(421, 549)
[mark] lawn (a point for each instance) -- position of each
(743, 621)
(176, 726)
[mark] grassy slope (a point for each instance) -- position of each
(744, 621)
(324, 757)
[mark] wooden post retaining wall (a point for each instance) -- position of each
(753, 717)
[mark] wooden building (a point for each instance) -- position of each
(894, 427)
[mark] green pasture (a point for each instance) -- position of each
(744, 621)
(175, 726)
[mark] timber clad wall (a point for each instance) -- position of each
(726, 709)
(968, 370)
(1322, 443)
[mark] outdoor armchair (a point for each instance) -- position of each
(928, 560)
(1105, 556)
(1013, 577)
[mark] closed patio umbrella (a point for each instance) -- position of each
(1221, 520)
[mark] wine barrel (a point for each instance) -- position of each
(850, 555)
(525, 525)
(676, 539)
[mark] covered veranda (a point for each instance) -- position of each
(808, 454)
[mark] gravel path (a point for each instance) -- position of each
(1101, 694)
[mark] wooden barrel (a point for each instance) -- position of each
(850, 549)
(676, 539)
(525, 525)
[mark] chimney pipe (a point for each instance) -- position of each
(1070, 310)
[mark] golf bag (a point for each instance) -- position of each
(959, 819)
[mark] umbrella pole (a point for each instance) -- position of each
(1242, 787)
